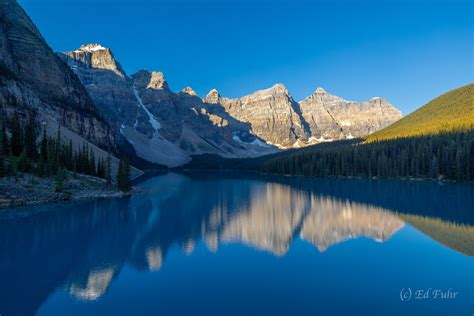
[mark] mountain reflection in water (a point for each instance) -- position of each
(83, 246)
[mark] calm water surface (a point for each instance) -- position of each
(197, 244)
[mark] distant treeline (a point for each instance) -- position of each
(449, 155)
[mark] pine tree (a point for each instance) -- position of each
(57, 151)
(126, 171)
(16, 140)
(30, 139)
(434, 168)
(22, 163)
(4, 143)
(120, 176)
(108, 170)
(44, 146)
(101, 168)
(84, 159)
(3, 171)
(69, 156)
(457, 165)
(123, 176)
(92, 165)
(41, 167)
(59, 180)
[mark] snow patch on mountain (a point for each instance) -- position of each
(256, 142)
(156, 125)
(91, 48)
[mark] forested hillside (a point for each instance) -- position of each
(453, 110)
(450, 155)
(435, 141)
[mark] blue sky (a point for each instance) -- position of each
(406, 51)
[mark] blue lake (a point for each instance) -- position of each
(228, 244)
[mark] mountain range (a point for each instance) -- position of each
(87, 93)
(166, 127)
(434, 142)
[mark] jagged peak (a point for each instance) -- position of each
(280, 87)
(320, 90)
(276, 89)
(381, 102)
(189, 91)
(96, 56)
(212, 97)
(322, 95)
(378, 99)
(213, 91)
(150, 80)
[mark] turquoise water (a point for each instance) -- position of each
(226, 244)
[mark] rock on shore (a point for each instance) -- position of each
(26, 189)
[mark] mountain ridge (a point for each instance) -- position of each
(451, 111)
(34, 79)
(260, 123)
(434, 142)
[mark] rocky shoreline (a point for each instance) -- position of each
(26, 189)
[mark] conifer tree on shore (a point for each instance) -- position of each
(16, 140)
(51, 156)
(30, 139)
(123, 176)
(59, 180)
(108, 170)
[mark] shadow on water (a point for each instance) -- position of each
(82, 246)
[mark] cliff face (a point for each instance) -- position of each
(33, 78)
(98, 57)
(109, 87)
(277, 119)
(167, 127)
(273, 115)
(330, 117)
(162, 126)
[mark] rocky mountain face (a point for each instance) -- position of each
(110, 88)
(280, 121)
(272, 114)
(330, 117)
(34, 80)
(168, 128)
(98, 102)
(162, 126)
